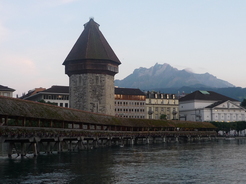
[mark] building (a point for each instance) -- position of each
(129, 103)
(91, 66)
(6, 91)
(210, 106)
(57, 95)
(161, 104)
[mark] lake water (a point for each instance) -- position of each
(217, 161)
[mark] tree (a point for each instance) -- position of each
(51, 103)
(163, 116)
(243, 103)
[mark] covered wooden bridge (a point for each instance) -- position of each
(37, 126)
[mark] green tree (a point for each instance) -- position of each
(51, 103)
(163, 116)
(243, 103)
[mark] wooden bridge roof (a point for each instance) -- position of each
(13, 107)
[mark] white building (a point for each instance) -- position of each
(6, 91)
(58, 95)
(210, 106)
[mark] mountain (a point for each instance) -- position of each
(165, 76)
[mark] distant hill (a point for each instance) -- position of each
(165, 76)
(166, 79)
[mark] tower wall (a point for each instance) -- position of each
(92, 92)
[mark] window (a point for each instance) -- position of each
(97, 79)
(61, 104)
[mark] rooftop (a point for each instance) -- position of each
(91, 45)
(13, 107)
(128, 91)
(6, 88)
(206, 95)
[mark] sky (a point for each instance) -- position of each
(201, 36)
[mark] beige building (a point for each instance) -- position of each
(6, 91)
(129, 103)
(160, 104)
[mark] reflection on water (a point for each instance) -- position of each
(218, 161)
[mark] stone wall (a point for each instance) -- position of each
(92, 92)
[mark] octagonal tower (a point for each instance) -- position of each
(91, 66)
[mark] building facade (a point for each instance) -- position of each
(210, 106)
(161, 104)
(129, 103)
(56, 95)
(6, 91)
(91, 66)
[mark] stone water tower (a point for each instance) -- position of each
(91, 66)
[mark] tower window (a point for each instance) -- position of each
(97, 79)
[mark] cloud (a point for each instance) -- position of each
(189, 70)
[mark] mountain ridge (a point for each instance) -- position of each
(166, 76)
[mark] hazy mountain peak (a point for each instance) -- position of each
(188, 70)
(166, 76)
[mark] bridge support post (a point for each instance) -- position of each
(132, 141)
(35, 151)
(70, 145)
(22, 149)
(48, 148)
(95, 142)
(10, 149)
(188, 138)
(164, 139)
(60, 148)
(177, 138)
(147, 140)
(109, 142)
(79, 144)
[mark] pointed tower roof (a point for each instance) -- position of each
(91, 45)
